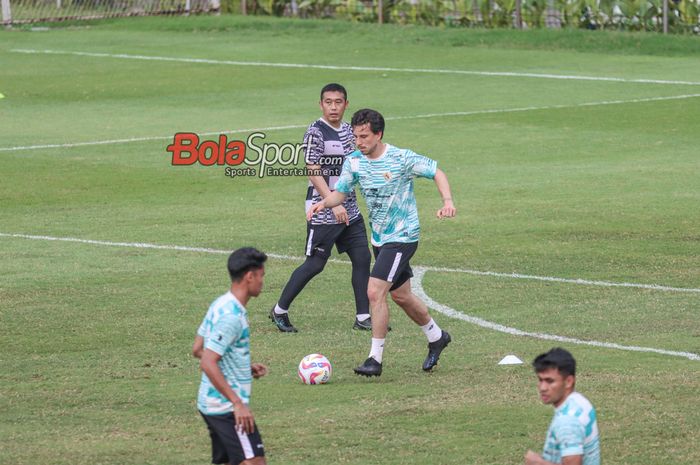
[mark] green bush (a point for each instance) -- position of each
(629, 15)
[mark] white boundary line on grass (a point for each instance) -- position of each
(353, 68)
(418, 286)
(394, 118)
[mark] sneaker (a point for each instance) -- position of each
(435, 349)
(282, 322)
(365, 325)
(371, 367)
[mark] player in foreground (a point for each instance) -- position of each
(223, 345)
(572, 438)
(328, 140)
(385, 175)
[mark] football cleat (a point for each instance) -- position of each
(282, 322)
(370, 367)
(365, 325)
(435, 349)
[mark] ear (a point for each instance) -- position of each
(570, 381)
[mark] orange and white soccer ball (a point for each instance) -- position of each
(315, 369)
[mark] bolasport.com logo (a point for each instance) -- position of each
(251, 157)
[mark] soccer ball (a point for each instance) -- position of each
(315, 369)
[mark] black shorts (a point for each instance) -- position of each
(227, 444)
(320, 238)
(391, 262)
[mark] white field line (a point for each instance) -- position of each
(143, 245)
(417, 285)
(354, 68)
(300, 126)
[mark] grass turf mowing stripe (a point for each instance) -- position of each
(391, 118)
(418, 285)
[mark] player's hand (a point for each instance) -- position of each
(448, 210)
(315, 208)
(245, 423)
(341, 214)
(259, 370)
(532, 458)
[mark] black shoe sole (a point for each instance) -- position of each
(368, 375)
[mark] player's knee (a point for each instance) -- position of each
(375, 293)
(314, 264)
(400, 298)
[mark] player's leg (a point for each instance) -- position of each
(319, 243)
(390, 262)
(418, 312)
(239, 447)
(300, 277)
(353, 241)
(410, 303)
(361, 260)
(218, 449)
(377, 290)
(415, 308)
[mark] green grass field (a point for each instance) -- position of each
(592, 179)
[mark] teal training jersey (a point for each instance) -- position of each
(225, 331)
(386, 183)
(573, 431)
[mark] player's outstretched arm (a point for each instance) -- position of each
(448, 209)
(334, 199)
(319, 183)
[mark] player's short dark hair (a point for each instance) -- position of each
(334, 87)
(558, 358)
(371, 117)
(244, 260)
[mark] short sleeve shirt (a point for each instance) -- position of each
(327, 147)
(225, 331)
(573, 431)
(386, 183)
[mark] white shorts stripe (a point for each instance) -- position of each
(246, 445)
(309, 242)
(394, 266)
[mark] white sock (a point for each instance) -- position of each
(377, 349)
(279, 310)
(432, 331)
(362, 316)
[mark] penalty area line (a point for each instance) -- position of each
(417, 285)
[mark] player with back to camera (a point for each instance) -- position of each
(223, 345)
(572, 438)
(327, 141)
(385, 175)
